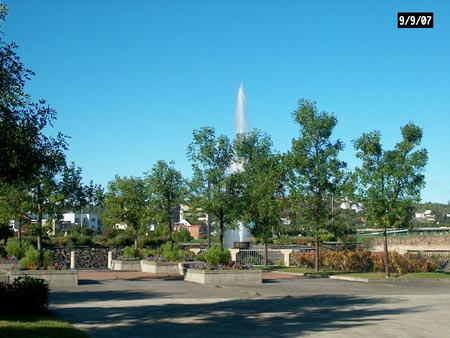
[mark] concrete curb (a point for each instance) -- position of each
(391, 280)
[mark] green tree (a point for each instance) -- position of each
(262, 178)
(24, 148)
(390, 181)
(126, 202)
(166, 190)
(316, 171)
(14, 205)
(213, 184)
(77, 195)
(47, 200)
(27, 154)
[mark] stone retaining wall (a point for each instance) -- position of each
(85, 257)
(402, 244)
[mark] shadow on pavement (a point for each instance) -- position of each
(281, 317)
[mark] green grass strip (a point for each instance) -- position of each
(37, 327)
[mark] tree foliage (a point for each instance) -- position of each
(317, 173)
(24, 147)
(27, 155)
(390, 181)
(213, 185)
(262, 177)
(166, 190)
(126, 202)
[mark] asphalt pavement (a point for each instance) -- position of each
(115, 304)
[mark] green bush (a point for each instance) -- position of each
(172, 252)
(14, 249)
(153, 241)
(283, 240)
(100, 240)
(215, 256)
(183, 235)
(121, 240)
(130, 252)
(31, 259)
(26, 296)
(3, 251)
(326, 238)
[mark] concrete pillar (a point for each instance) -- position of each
(286, 253)
(195, 250)
(72, 259)
(233, 253)
(110, 256)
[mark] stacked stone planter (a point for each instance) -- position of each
(53, 277)
(224, 277)
(162, 267)
(9, 264)
(123, 265)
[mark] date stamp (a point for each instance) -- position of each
(415, 20)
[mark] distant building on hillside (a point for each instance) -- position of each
(426, 216)
(71, 219)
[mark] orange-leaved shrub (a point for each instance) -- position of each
(364, 261)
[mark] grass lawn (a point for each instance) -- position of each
(425, 275)
(296, 270)
(37, 327)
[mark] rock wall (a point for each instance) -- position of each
(402, 244)
(85, 257)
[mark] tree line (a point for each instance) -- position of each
(243, 180)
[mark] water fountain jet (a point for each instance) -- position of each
(242, 234)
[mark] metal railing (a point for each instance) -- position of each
(256, 256)
(439, 256)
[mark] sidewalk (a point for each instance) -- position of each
(134, 304)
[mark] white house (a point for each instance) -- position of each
(70, 219)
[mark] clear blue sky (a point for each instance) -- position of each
(131, 80)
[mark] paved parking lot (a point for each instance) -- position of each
(117, 304)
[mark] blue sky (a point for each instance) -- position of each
(131, 80)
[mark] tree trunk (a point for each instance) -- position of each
(20, 232)
(317, 253)
(208, 232)
(266, 253)
(39, 237)
(386, 253)
(221, 224)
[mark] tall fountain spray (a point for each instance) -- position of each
(242, 234)
(241, 123)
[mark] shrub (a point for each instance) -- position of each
(215, 256)
(183, 235)
(326, 238)
(283, 240)
(3, 251)
(31, 259)
(304, 259)
(302, 241)
(151, 241)
(420, 264)
(367, 242)
(171, 252)
(130, 252)
(121, 240)
(365, 261)
(100, 240)
(14, 249)
(26, 296)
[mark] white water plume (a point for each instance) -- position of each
(241, 123)
(242, 234)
